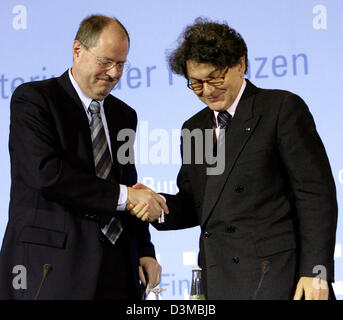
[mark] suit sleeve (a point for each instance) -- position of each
(144, 244)
(182, 210)
(312, 183)
(44, 166)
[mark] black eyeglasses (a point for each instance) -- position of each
(197, 85)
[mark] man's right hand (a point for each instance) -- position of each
(145, 204)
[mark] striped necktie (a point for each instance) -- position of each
(103, 164)
(224, 119)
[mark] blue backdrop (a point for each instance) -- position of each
(294, 45)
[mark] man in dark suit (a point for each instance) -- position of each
(268, 219)
(67, 215)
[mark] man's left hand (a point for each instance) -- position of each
(149, 272)
(313, 288)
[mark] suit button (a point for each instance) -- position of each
(231, 229)
(235, 260)
(207, 234)
(239, 189)
(197, 204)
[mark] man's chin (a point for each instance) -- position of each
(102, 94)
(217, 106)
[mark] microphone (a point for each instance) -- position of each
(46, 269)
(265, 266)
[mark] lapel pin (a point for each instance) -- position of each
(247, 129)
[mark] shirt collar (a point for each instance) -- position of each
(233, 107)
(86, 101)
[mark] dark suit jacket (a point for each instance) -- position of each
(274, 205)
(57, 203)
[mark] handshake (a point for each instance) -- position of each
(144, 203)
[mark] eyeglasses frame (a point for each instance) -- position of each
(120, 66)
(218, 79)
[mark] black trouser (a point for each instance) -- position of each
(116, 280)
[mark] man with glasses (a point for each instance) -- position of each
(268, 221)
(68, 225)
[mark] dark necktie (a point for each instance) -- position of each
(103, 164)
(224, 119)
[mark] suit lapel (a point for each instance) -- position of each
(241, 128)
(115, 122)
(204, 123)
(77, 117)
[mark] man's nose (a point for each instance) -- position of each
(113, 72)
(207, 89)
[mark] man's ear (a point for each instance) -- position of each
(242, 66)
(76, 48)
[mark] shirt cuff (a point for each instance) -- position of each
(121, 206)
(161, 218)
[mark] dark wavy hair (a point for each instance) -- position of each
(208, 42)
